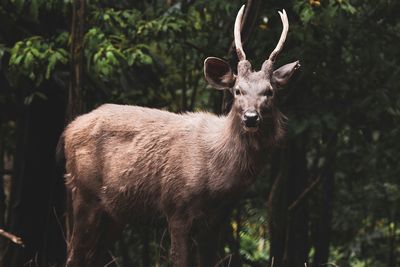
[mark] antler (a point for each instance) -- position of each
(282, 40)
(238, 40)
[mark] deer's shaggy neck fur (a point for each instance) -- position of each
(238, 152)
(231, 144)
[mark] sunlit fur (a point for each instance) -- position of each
(129, 162)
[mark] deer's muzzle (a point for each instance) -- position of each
(251, 119)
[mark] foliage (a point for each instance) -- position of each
(36, 58)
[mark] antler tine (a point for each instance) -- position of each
(282, 40)
(238, 40)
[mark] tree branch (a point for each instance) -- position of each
(304, 194)
(15, 239)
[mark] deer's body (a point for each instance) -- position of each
(125, 163)
(135, 159)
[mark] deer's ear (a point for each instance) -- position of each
(281, 76)
(218, 73)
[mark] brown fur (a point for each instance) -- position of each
(125, 163)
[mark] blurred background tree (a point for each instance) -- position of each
(330, 194)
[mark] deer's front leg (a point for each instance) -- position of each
(179, 231)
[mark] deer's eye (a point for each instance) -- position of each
(238, 92)
(269, 93)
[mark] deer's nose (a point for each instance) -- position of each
(251, 118)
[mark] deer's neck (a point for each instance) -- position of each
(236, 154)
(234, 150)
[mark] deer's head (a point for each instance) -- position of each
(253, 91)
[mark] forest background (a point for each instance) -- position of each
(330, 195)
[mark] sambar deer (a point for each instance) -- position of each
(129, 162)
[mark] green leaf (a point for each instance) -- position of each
(17, 59)
(28, 60)
(306, 14)
(51, 65)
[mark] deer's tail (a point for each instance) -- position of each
(60, 153)
(61, 161)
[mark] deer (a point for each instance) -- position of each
(129, 163)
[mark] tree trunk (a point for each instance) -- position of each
(297, 243)
(2, 195)
(288, 229)
(75, 93)
(75, 103)
(324, 229)
(277, 206)
(37, 195)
